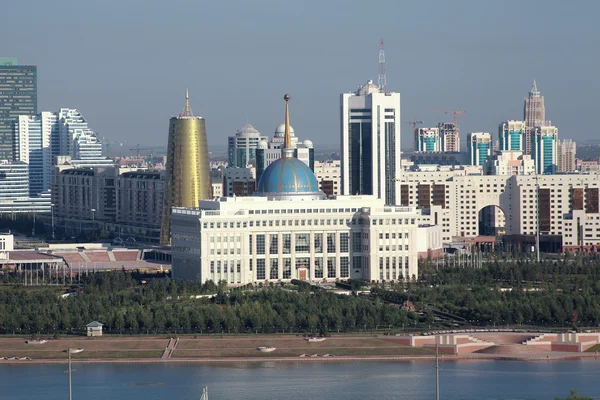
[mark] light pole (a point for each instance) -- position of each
(69, 352)
(537, 235)
(52, 213)
(93, 210)
(33, 230)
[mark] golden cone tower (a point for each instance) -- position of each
(188, 170)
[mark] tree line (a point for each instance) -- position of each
(124, 305)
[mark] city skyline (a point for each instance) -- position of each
(239, 77)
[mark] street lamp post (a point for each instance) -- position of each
(69, 352)
(93, 210)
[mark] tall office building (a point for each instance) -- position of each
(480, 147)
(33, 139)
(188, 171)
(534, 114)
(545, 149)
(18, 96)
(512, 136)
(450, 137)
(370, 136)
(567, 150)
(242, 146)
(428, 140)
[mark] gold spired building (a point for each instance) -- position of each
(188, 170)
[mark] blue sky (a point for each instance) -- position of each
(126, 63)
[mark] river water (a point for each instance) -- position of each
(469, 380)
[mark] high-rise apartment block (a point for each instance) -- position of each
(33, 136)
(14, 190)
(534, 114)
(512, 136)
(188, 172)
(38, 139)
(545, 149)
(428, 140)
(18, 96)
(242, 146)
(480, 147)
(370, 138)
(450, 137)
(567, 155)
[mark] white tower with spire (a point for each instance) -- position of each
(534, 114)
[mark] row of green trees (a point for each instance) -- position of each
(126, 306)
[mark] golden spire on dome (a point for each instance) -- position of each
(288, 138)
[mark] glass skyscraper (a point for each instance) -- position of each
(18, 96)
(480, 147)
(546, 149)
(370, 136)
(512, 135)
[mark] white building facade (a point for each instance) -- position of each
(253, 239)
(33, 138)
(370, 138)
(455, 200)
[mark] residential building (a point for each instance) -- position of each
(534, 114)
(458, 201)
(125, 201)
(328, 174)
(18, 96)
(509, 163)
(370, 141)
(450, 137)
(76, 139)
(238, 182)
(33, 136)
(545, 149)
(188, 173)
(139, 201)
(512, 136)
(14, 191)
(479, 147)
(242, 146)
(428, 140)
(567, 155)
(442, 159)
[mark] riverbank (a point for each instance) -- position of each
(235, 349)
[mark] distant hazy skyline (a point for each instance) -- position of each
(125, 64)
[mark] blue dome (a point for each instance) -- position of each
(287, 175)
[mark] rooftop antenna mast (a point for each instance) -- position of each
(187, 111)
(381, 79)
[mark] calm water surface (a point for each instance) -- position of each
(469, 380)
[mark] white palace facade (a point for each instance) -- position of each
(290, 230)
(256, 239)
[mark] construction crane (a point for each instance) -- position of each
(456, 112)
(108, 145)
(137, 149)
(414, 124)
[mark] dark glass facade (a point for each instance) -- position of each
(361, 157)
(18, 96)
